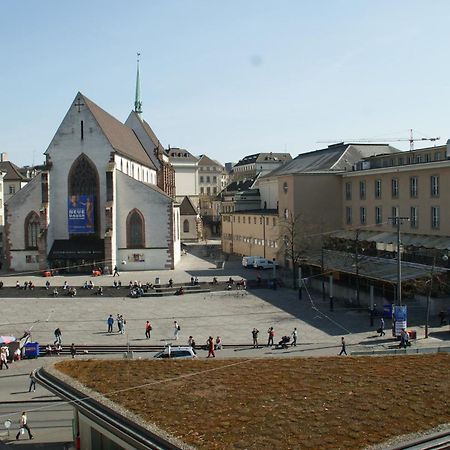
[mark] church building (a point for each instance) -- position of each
(104, 198)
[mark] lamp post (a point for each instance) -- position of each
(428, 297)
(322, 269)
(357, 267)
(274, 275)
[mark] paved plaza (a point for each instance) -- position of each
(229, 314)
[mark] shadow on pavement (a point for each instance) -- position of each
(443, 335)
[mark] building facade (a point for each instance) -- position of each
(251, 233)
(296, 194)
(413, 185)
(185, 166)
(96, 203)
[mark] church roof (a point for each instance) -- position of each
(187, 208)
(152, 136)
(122, 138)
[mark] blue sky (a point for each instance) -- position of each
(228, 78)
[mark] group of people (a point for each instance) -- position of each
(137, 289)
(212, 346)
(87, 285)
(121, 322)
(26, 285)
(292, 339)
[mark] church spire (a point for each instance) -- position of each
(137, 100)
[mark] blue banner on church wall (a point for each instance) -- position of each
(80, 214)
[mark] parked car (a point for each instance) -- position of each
(263, 263)
(247, 261)
(176, 352)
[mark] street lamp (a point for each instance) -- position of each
(274, 275)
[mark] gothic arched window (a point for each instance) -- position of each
(135, 230)
(83, 180)
(31, 230)
(186, 226)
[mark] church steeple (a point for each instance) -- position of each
(137, 100)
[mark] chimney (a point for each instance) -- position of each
(4, 157)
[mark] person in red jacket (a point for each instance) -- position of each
(210, 344)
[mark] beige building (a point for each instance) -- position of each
(212, 176)
(413, 185)
(253, 232)
(303, 196)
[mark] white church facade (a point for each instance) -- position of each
(98, 202)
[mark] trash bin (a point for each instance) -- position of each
(157, 281)
(31, 350)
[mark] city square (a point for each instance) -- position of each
(225, 226)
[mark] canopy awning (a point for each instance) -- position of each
(382, 269)
(408, 239)
(88, 249)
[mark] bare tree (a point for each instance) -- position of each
(295, 242)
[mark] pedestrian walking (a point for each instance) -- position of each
(342, 346)
(110, 323)
(176, 329)
(404, 339)
(271, 334)
(4, 353)
(119, 323)
(58, 336)
(218, 345)
(73, 350)
(381, 329)
(116, 271)
(122, 328)
(23, 424)
(210, 344)
(255, 333)
(32, 382)
(148, 329)
(294, 335)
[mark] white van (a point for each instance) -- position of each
(247, 261)
(263, 263)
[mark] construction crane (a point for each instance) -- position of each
(411, 140)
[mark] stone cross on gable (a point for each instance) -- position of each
(78, 103)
